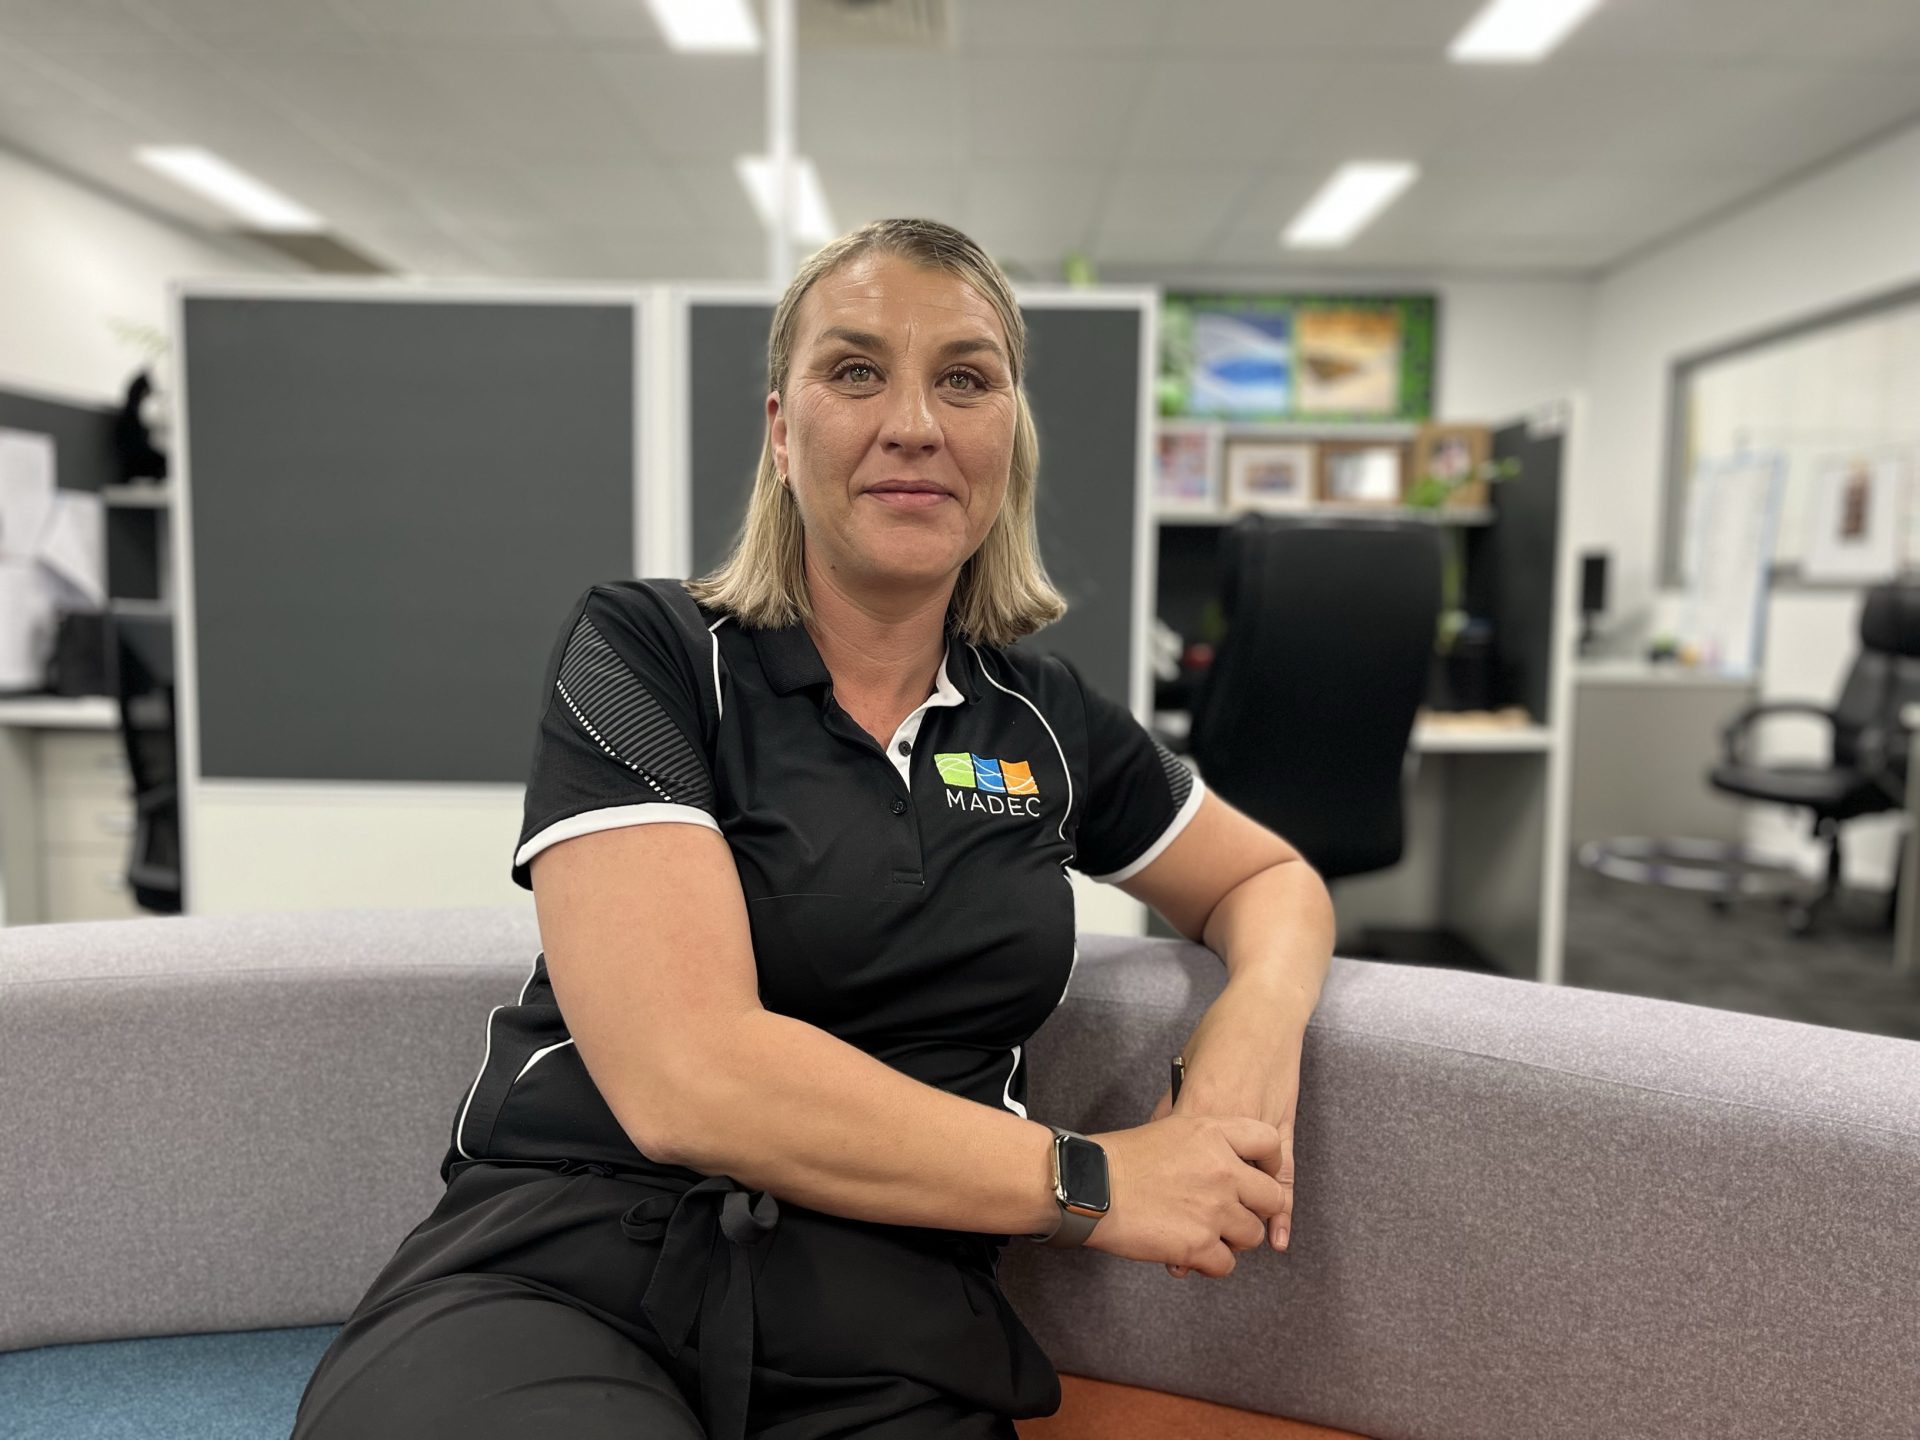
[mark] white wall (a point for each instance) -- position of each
(72, 262)
(1848, 232)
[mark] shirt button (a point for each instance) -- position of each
(906, 747)
(899, 807)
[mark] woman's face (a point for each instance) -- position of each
(897, 431)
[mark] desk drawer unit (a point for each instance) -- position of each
(88, 882)
(86, 827)
(89, 818)
(83, 760)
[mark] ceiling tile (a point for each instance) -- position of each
(548, 104)
(857, 194)
(1290, 29)
(1021, 111)
(457, 22)
(631, 191)
(1167, 209)
(627, 22)
(1031, 211)
(1074, 27)
(1221, 112)
(690, 106)
(860, 107)
(78, 27)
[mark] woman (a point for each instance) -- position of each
(798, 837)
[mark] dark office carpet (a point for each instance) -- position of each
(1643, 940)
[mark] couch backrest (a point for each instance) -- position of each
(1521, 1211)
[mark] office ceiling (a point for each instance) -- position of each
(562, 139)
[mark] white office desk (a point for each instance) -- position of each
(1429, 737)
(1477, 821)
(66, 811)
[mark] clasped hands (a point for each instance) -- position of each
(1243, 1059)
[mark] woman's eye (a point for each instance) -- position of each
(845, 372)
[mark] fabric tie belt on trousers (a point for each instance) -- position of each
(692, 1281)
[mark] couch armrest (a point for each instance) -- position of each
(1521, 1211)
(222, 1123)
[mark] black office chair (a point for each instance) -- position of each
(1305, 714)
(143, 683)
(1867, 771)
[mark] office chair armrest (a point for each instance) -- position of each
(1733, 737)
(1880, 754)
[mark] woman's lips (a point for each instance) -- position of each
(908, 499)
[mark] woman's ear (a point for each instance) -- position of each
(777, 432)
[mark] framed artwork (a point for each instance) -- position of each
(1455, 453)
(1185, 478)
(1360, 472)
(1313, 357)
(1349, 361)
(1859, 519)
(1268, 475)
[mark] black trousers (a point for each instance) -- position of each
(588, 1304)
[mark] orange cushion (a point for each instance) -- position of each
(1102, 1410)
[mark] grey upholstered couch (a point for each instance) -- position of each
(1523, 1212)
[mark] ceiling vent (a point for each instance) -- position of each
(867, 24)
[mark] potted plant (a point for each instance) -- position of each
(1432, 492)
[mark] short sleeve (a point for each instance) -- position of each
(1140, 796)
(618, 740)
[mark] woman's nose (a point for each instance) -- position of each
(910, 419)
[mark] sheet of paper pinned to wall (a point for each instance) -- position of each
(1735, 505)
(26, 492)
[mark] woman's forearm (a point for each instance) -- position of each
(788, 1108)
(1275, 931)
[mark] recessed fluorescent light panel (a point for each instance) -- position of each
(709, 25)
(1348, 203)
(1519, 30)
(812, 225)
(233, 190)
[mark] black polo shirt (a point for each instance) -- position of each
(911, 899)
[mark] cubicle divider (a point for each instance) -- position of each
(387, 495)
(1483, 880)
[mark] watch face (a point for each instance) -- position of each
(1083, 1172)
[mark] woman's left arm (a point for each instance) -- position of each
(1234, 886)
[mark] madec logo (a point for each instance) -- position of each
(999, 787)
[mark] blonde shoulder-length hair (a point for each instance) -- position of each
(1002, 592)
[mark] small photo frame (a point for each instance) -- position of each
(1186, 481)
(1454, 452)
(1268, 475)
(1361, 472)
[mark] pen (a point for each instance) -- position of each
(1179, 1074)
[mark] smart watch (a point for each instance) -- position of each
(1079, 1187)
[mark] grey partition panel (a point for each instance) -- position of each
(393, 502)
(727, 419)
(1511, 568)
(1083, 382)
(83, 456)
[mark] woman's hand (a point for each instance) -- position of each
(1188, 1190)
(1243, 1059)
